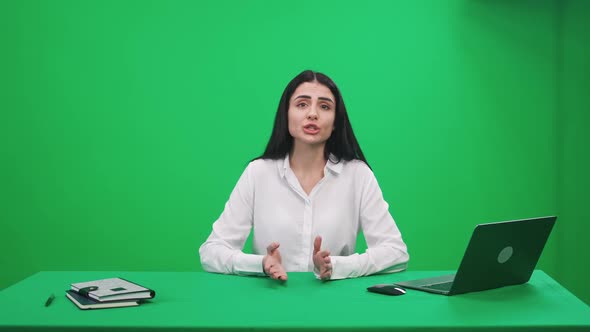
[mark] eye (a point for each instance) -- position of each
(301, 105)
(326, 107)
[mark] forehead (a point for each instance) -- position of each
(312, 89)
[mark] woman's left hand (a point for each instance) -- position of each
(321, 259)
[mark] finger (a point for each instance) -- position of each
(280, 275)
(276, 273)
(272, 247)
(275, 270)
(327, 260)
(325, 253)
(317, 244)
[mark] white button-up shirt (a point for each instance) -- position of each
(269, 201)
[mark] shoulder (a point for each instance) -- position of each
(263, 163)
(356, 168)
(262, 166)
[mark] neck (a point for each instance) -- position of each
(307, 158)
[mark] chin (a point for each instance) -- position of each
(313, 142)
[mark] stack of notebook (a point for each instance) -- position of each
(108, 293)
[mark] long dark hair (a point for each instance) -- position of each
(342, 144)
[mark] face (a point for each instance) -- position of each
(312, 110)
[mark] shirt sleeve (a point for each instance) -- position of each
(386, 251)
(222, 251)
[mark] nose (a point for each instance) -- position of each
(312, 114)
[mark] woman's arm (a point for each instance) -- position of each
(386, 251)
(222, 252)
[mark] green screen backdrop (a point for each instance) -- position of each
(125, 124)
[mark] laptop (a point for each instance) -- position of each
(498, 254)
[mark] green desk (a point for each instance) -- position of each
(191, 301)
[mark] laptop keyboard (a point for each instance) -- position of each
(443, 286)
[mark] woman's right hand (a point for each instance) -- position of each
(272, 263)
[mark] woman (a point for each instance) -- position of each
(306, 198)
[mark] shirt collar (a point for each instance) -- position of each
(335, 168)
(284, 165)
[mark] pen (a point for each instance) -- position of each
(49, 300)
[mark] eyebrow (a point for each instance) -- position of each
(319, 98)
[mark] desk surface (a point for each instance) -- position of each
(198, 301)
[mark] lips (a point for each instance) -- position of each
(311, 129)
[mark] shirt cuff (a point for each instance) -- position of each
(340, 269)
(248, 264)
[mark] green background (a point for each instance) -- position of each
(125, 124)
